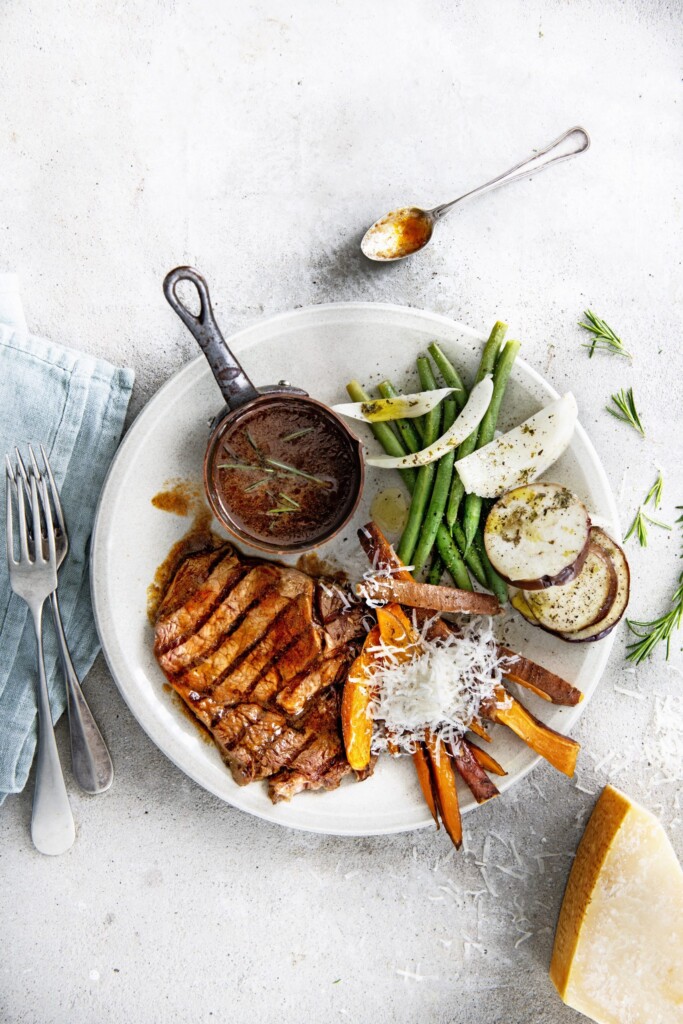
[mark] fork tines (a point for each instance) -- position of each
(28, 489)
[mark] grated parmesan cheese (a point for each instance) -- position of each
(439, 690)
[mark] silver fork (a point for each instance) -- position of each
(33, 577)
(90, 760)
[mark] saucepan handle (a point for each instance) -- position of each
(235, 386)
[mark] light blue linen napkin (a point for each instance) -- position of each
(75, 406)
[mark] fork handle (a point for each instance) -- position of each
(52, 823)
(90, 761)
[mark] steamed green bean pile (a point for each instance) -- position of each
(444, 529)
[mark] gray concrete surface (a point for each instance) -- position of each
(257, 140)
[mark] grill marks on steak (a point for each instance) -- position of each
(256, 650)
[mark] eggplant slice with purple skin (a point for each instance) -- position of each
(610, 616)
(537, 536)
(580, 603)
(605, 625)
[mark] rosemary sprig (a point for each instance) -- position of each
(656, 630)
(297, 472)
(297, 433)
(626, 409)
(252, 487)
(604, 338)
(655, 492)
(290, 501)
(252, 442)
(242, 465)
(639, 524)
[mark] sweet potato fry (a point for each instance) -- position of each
(478, 729)
(560, 751)
(356, 719)
(380, 553)
(538, 679)
(429, 597)
(392, 745)
(443, 774)
(397, 630)
(474, 775)
(483, 758)
(424, 777)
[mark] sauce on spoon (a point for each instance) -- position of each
(398, 234)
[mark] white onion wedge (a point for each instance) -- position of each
(403, 407)
(522, 454)
(468, 420)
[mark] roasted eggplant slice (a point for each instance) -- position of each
(605, 625)
(537, 536)
(580, 603)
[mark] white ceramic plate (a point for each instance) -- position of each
(319, 349)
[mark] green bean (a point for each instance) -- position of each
(406, 428)
(471, 557)
(486, 365)
(449, 374)
(487, 428)
(436, 570)
(385, 435)
(425, 474)
(451, 557)
(495, 584)
(440, 491)
(432, 419)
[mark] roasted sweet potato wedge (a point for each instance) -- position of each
(429, 597)
(396, 629)
(380, 553)
(538, 679)
(478, 729)
(483, 758)
(445, 788)
(473, 775)
(560, 751)
(424, 777)
(356, 718)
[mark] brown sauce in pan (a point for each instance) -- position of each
(283, 475)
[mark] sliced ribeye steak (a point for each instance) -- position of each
(258, 651)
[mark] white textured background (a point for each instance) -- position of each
(256, 141)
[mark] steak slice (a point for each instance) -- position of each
(259, 651)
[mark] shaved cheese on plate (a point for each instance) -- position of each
(440, 689)
(618, 955)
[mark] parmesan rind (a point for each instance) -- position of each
(618, 954)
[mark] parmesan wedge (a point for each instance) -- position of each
(618, 954)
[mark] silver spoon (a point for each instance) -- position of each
(405, 231)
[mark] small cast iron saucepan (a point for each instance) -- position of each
(282, 472)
